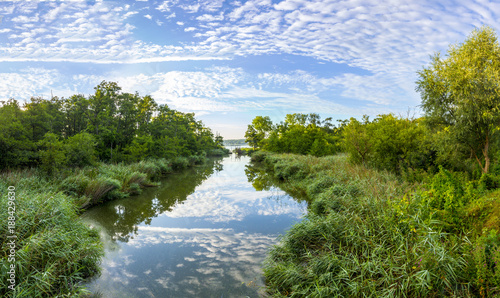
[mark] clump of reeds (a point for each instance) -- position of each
(54, 250)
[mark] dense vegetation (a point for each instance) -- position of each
(108, 125)
(368, 233)
(299, 133)
(413, 209)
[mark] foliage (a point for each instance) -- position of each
(299, 133)
(51, 153)
(366, 234)
(80, 150)
(392, 143)
(460, 93)
(109, 125)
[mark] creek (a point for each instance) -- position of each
(204, 232)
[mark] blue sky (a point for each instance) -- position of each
(229, 61)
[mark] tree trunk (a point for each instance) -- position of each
(486, 156)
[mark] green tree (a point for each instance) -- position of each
(461, 93)
(80, 150)
(258, 131)
(356, 140)
(16, 146)
(51, 153)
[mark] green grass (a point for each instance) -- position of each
(369, 234)
(54, 250)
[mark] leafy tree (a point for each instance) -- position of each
(51, 153)
(42, 116)
(16, 146)
(461, 93)
(75, 114)
(80, 150)
(258, 131)
(357, 140)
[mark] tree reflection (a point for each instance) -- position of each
(119, 218)
(262, 178)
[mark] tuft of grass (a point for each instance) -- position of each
(54, 250)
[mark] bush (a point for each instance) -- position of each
(294, 170)
(258, 156)
(179, 163)
(196, 160)
(80, 150)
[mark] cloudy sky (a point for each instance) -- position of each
(229, 61)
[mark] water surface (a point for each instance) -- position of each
(203, 233)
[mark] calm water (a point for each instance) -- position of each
(203, 233)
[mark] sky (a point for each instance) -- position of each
(229, 61)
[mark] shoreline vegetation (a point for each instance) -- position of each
(371, 233)
(64, 155)
(56, 252)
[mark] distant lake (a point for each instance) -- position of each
(203, 233)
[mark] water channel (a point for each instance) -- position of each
(203, 233)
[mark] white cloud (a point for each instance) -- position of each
(147, 16)
(166, 5)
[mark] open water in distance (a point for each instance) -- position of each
(203, 233)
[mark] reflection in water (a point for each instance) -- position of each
(203, 233)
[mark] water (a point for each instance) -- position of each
(203, 233)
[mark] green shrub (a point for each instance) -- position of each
(285, 170)
(80, 150)
(489, 181)
(196, 160)
(258, 156)
(179, 163)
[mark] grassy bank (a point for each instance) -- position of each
(368, 233)
(54, 251)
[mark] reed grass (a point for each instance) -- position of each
(367, 234)
(54, 250)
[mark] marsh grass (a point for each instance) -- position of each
(54, 250)
(367, 234)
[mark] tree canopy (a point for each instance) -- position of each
(461, 93)
(109, 125)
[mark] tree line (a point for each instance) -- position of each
(109, 125)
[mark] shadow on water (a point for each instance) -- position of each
(203, 233)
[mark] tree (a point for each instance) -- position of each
(51, 153)
(258, 131)
(461, 93)
(80, 150)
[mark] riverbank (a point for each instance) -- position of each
(53, 250)
(369, 233)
